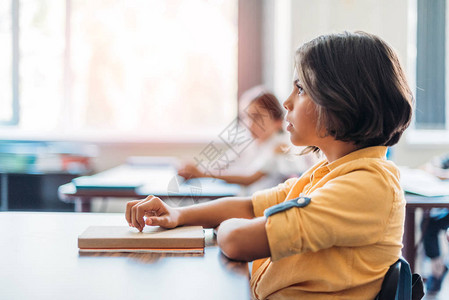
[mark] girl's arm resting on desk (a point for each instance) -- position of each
(243, 239)
(208, 215)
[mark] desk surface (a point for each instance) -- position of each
(158, 181)
(40, 260)
(418, 201)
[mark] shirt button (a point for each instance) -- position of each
(301, 200)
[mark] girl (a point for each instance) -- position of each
(263, 163)
(333, 232)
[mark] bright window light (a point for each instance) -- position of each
(6, 100)
(41, 64)
(127, 70)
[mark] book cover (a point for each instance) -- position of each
(152, 237)
(103, 182)
(146, 250)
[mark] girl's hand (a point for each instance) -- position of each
(156, 211)
(190, 171)
(282, 149)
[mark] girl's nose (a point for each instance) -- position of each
(287, 104)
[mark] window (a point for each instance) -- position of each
(431, 124)
(8, 106)
(430, 65)
(121, 70)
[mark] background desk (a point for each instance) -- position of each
(158, 181)
(414, 202)
(40, 260)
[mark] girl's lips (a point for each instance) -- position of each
(289, 126)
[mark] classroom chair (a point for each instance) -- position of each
(400, 284)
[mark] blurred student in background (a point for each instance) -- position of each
(433, 223)
(264, 163)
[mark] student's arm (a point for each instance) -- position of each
(240, 179)
(243, 239)
(208, 215)
(190, 171)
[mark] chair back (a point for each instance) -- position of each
(400, 284)
(390, 284)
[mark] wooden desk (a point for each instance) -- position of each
(414, 202)
(159, 181)
(40, 260)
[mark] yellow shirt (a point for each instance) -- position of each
(340, 245)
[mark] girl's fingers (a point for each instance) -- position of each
(128, 214)
(152, 208)
(148, 207)
(133, 211)
(133, 217)
(141, 209)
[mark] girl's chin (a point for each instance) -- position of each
(295, 141)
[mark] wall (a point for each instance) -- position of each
(391, 20)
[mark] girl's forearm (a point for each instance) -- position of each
(211, 214)
(240, 179)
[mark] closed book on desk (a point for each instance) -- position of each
(100, 182)
(151, 239)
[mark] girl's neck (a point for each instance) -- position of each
(334, 150)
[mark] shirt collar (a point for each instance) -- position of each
(369, 152)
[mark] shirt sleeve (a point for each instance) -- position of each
(349, 210)
(269, 197)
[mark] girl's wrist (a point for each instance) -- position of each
(210, 175)
(180, 216)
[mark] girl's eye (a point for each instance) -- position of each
(299, 87)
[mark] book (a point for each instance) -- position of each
(147, 250)
(420, 182)
(100, 182)
(151, 239)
